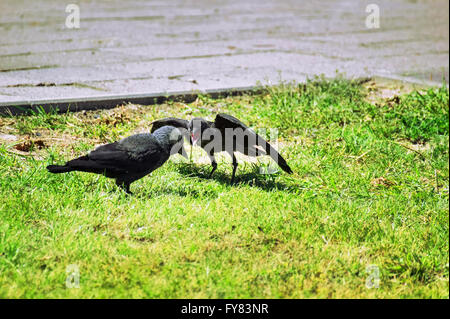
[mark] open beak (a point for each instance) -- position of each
(194, 138)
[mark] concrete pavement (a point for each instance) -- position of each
(158, 47)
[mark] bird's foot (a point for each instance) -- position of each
(125, 188)
(233, 175)
(233, 179)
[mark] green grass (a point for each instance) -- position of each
(370, 188)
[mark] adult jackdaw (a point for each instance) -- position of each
(225, 134)
(130, 158)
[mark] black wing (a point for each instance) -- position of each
(112, 160)
(224, 121)
(171, 121)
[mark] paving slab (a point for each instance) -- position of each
(147, 48)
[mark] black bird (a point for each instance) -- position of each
(225, 134)
(130, 158)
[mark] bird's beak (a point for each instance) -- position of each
(182, 152)
(194, 138)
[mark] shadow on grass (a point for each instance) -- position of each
(182, 191)
(263, 181)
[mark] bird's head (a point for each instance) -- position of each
(196, 128)
(171, 139)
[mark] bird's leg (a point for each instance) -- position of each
(125, 186)
(235, 165)
(213, 163)
(127, 189)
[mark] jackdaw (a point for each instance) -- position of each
(130, 158)
(225, 134)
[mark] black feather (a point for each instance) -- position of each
(170, 121)
(126, 161)
(224, 121)
(59, 169)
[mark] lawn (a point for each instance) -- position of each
(365, 214)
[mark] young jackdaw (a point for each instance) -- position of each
(225, 134)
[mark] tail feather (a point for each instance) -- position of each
(83, 164)
(275, 155)
(59, 169)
